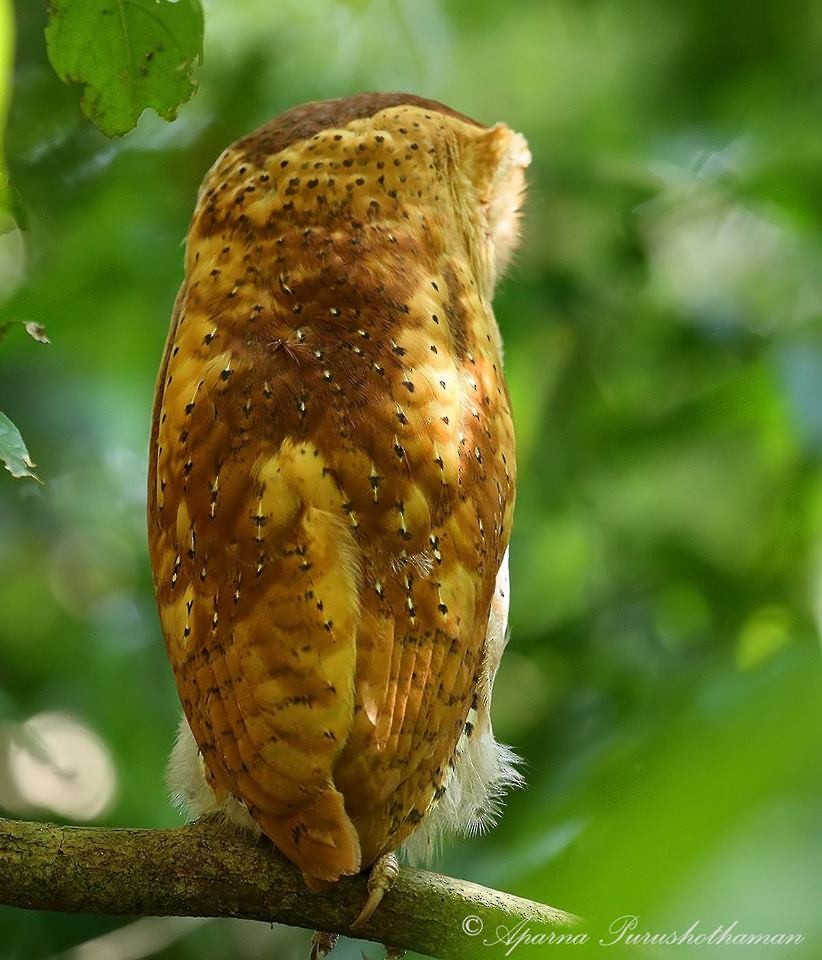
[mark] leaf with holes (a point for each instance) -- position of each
(13, 451)
(127, 55)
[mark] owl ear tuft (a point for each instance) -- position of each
(502, 157)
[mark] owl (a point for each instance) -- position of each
(331, 482)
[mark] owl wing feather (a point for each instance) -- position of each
(257, 575)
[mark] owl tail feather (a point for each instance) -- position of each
(319, 838)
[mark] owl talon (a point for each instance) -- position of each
(322, 944)
(382, 877)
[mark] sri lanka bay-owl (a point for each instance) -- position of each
(332, 479)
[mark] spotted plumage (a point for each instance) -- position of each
(332, 479)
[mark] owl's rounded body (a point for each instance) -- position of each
(332, 479)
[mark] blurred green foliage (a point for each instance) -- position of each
(6, 51)
(662, 328)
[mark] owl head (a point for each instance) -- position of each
(468, 176)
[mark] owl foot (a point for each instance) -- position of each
(383, 874)
(322, 944)
(391, 953)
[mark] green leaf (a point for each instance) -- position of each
(127, 54)
(13, 451)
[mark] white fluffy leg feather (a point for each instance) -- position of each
(189, 787)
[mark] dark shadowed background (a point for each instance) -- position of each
(662, 326)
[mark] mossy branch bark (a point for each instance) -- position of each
(209, 870)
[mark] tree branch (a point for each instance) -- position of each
(211, 870)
